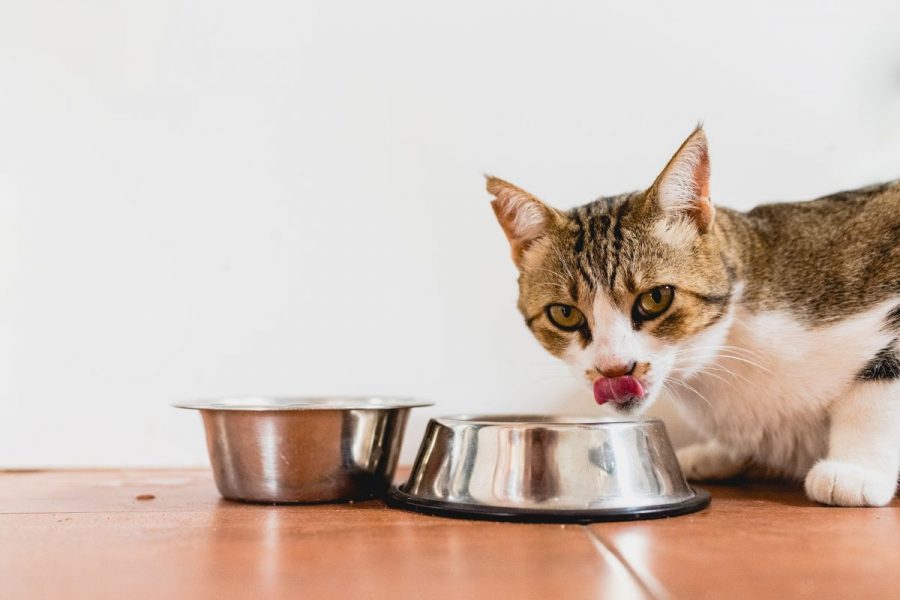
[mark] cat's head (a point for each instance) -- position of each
(631, 290)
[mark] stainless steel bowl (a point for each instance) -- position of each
(303, 449)
(543, 468)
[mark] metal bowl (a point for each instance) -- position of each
(303, 449)
(545, 468)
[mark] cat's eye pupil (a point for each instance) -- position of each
(565, 317)
(653, 303)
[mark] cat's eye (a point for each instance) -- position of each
(654, 302)
(567, 318)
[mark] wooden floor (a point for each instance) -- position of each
(165, 534)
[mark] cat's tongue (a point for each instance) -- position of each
(617, 389)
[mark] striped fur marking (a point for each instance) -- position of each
(884, 367)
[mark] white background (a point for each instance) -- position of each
(209, 198)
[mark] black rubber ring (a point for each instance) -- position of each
(397, 498)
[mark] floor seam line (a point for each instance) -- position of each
(603, 547)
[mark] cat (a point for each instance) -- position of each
(775, 331)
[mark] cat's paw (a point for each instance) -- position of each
(846, 484)
(709, 461)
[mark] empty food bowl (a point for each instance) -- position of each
(546, 468)
(303, 449)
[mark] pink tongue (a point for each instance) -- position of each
(617, 389)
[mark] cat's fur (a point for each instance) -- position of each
(782, 344)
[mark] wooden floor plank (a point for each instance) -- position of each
(85, 534)
(764, 540)
(106, 490)
(291, 552)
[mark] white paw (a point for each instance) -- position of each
(708, 461)
(846, 484)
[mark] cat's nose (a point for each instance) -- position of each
(615, 368)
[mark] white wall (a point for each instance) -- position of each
(210, 198)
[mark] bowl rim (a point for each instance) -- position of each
(539, 420)
(301, 403)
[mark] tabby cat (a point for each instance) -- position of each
(776, 331)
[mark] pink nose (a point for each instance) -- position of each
(615, 369)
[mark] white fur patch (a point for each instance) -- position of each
(677, 231)
(769, 389)
(615, 342)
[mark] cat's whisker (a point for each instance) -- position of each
(749, 362)
(694, 390)
(553, 284)
(559, 275)
(723, 353)
(728, 371)
(726, 355)
(563, 262)
(719, 377)
(722, 347)
(674, 399)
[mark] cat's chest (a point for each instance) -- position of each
(774, 377)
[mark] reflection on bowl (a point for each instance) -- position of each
(303, 449)
(544, 468)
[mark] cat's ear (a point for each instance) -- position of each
(523, 217)
(683, 186)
